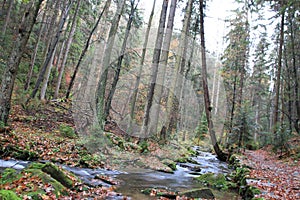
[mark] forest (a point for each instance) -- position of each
(100, 99)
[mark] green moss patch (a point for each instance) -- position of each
(8, 195)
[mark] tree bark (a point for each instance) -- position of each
(29, 74)
(68, 45)
(85, 49)
(22, 35)
(155, 62)
(101, 88)
(171, 102)
(162, 71)
(120, 59)
(50, 52)
(7, 19)
(141, 65)
(278, 75)
(220, 154)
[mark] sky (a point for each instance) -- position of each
(216, 12)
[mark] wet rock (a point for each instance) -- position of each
(199, 193)
(194, 168)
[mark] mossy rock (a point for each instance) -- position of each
(8, 195)
(9, 175)
(182, 159)
(217, 181)
(169, 163)
(46, 178)
(57, 174)
(199, 193)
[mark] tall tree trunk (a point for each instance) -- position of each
(278, 74)
(141, 65)
(162, 68)
(29, 74)
(296, 78)
(101, 88)
(49, 67)
(172, 104)
(22, 35)
(7, 19)
(120, 59)
(155, 62)
(220, 154)
(86, 47)
(51, 51)
(68, 45)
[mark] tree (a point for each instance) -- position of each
(141, 64)
(22, 34)
(67, 48)
(172, 103)
(235, 64)
(86, 47)
(121, 57)
(220, 154)
(101, 87)
(163, 65)
(155, 63)
(51, 50)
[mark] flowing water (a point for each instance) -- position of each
(133, 180)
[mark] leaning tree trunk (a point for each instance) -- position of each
(22, 35)
(120, 60)
(164, 61)
(101, 88)
(86, 47)
(50, 52)
(155, 62)
(172, 105)
(220, 154)
(68, 45)
(30, 72)
(138, 77)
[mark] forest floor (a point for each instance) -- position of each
(43, 132)
(276, 177)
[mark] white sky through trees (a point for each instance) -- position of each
(216, 12)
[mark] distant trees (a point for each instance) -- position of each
(21, 35)
(97, 54)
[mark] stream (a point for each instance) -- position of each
(133, 180)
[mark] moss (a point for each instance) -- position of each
(169, 163)
(67, 131)
(36, 165)
(8, 195)
(217, 181)
(182, 159)
(9, 175)
(199, 193)
(57, 174)
(46, 178)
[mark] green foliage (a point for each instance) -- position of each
(217, 181)
(202, 128)
(243, 129)
(8, 195)
(144, 146)
(8, 175)
(2, 124)
(67, 131)
(282, 136)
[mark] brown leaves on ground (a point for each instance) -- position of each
(277, 179)
(38, 133)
